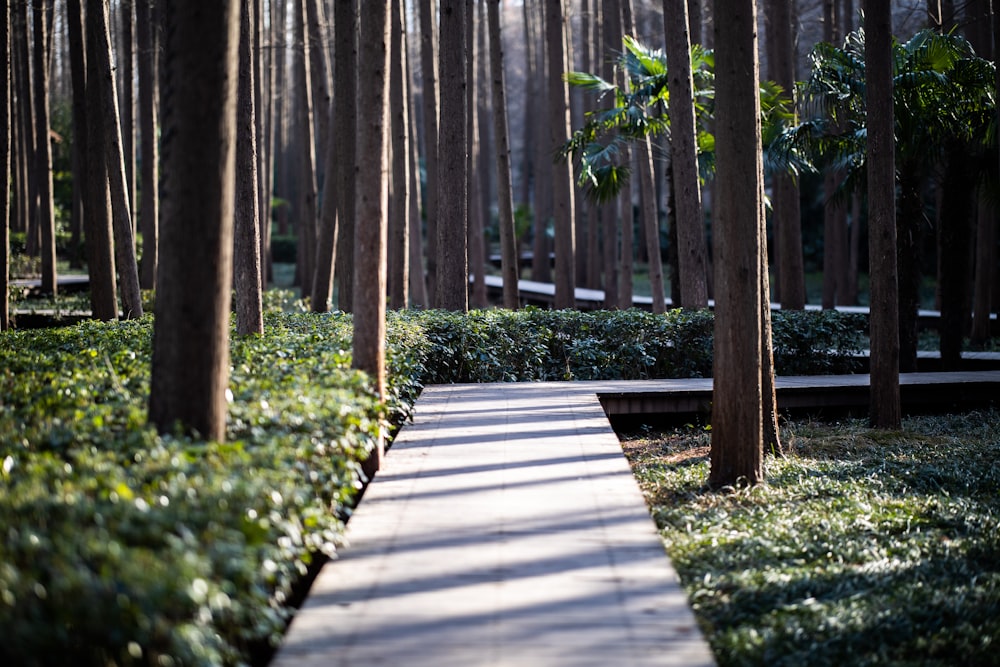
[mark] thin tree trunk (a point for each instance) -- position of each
(43, 155)
(885, 410)
(737, 425)
(372, 202)
(5, 132)
(103, 82)
(418, 281)
(29, 141)
(958, 208)
(611, 230)
(319, 72)
(562, 175)
(453, 272)
(787, 214)
(306, 160)
(345, 25)
(505, 195)
(149, 212)
(98, 225)
(398, 251)
(429, 73)
(190, 367)
(475, 239)
(263, 104)
(246, 232)
(126, 55)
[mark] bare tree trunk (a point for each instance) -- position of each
(429, 73)
(319, 72)
(884, 411)
(611, 230)
(190, 367)
(985, 262)
(562, 176)
(246, 232)
(265, 126)
(30, 143)
(737, 425)
(787, 214)
(475, 238)
(591, 44)
(398, 251)
(509, 260)
(149, 212)
(453, 272)
(5, 132)
(103, 82)
(372, 201)
(98, 225)
(126, 55)
(692, 250)
(541, 267)
(345, 25)
(43, 156)
(418, 281)
(306, 160)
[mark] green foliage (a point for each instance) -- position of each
(125, 547)
(864, 548)
(284, 249)
(122, 546)
(535, 344)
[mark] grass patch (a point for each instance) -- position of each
(864, 547)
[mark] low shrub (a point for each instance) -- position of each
(122, 546)
(125, 547)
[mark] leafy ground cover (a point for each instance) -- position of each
(863, 548)
(122, 546)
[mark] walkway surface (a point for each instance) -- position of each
(505, 528)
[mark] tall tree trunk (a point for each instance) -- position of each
(476, 242)
(306, 160)
(429, 73)
(591, 43)
(23, 83)
(264, 103)
(149, 212)
(737, 425)
(453, 272)
(542, 200)
(328, 225)
(610, 227)
(398, 251)
(126, 55)
(985, 263)
(908, 242)
(885, 410)
(103, 83)
(190, 367)
(692, 250)
(418, 282)
(5, 132)
(97, 224)
(505, 195)
(562, 175)
(319, 73)
(346, 89)
(787, 214)
(43, 155)
(372, 201)
(246, 231)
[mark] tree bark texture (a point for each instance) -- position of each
(149, 80)
(305, 154)
(5, 132)
(737, 425)
(452, 226)
(885, 409)
(345, 25)
(246, 232)
(190, 368)
(103, 83)
(97, 223)
(562, 176)
(46, 222)
(372, 180)
(505, 191)
(476, 247)
(418, 282)
(398, 251)
(429, 74)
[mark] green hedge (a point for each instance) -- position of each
(125, 547)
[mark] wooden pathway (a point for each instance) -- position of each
(506, 528)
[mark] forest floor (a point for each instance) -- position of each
(863, 546)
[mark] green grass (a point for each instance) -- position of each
(863, 548)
